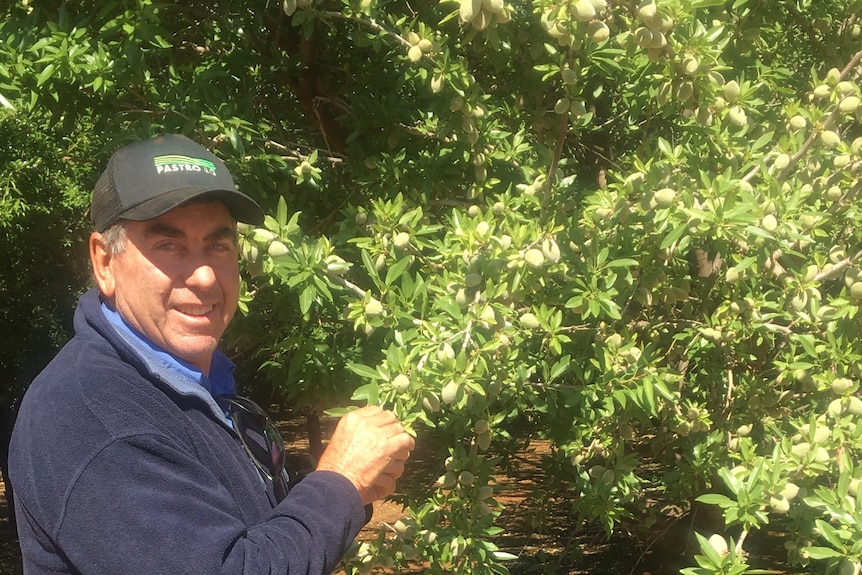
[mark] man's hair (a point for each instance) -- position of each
(115, 238)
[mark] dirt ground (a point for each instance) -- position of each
(552, 546)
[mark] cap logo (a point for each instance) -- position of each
(175, 163)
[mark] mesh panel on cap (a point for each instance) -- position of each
(105, 206)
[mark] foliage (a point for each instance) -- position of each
(43, 225)
(625, 228)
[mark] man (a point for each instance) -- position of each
(130, 453)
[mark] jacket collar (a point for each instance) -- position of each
(160, 366)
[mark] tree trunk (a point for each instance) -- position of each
(6, 421)
(315, 436)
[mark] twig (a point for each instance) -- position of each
(730, 388)
(558, 152)
(836, 269)
(783, 329)
(295, 155)
(345, 284)
(421, 363)
(738, 549)
(371, 24)
(467, 336)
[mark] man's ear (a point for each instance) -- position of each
(100, 258)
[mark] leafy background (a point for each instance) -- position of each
(627, 229)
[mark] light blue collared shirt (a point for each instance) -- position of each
(180, 375)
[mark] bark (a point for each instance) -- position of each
(315, 435)
(6, 420)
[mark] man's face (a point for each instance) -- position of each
(177, 281)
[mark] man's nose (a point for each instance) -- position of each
(201, 273)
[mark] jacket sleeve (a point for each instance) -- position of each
(143, 506)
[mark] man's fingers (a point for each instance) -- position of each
(401, 455)
(389, 424)
(369, 447)
(374, 414)
(377, 417)
(402, 440)
(385, 484)
(394, 469)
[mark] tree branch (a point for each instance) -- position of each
(836, 269)
(350, 286)
(854, 61)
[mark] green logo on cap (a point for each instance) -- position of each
(174, 163)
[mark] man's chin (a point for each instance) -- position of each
(197, 352)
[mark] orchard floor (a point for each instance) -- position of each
(545, 540)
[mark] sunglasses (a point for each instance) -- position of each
(260, 439)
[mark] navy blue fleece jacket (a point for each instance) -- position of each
(118, 470)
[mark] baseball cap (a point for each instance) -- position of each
(146, 179)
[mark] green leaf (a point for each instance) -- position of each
(717, 499)
(829, 533)
(292, 226)
(673, 236)
(281, 213)
(369, 393)
(648, 395)
(665, 147)
(6, 103)
(623, 263)
(394, 272)
(306, 298)
(765, 139)
(818, 553)
(45, 74)
(710, 558)
(363, 370)
(339, 411)
(560, 367)
(161, 42)
(369, 265)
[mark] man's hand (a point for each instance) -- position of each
(369, 447)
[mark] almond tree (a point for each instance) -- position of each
(628, 229)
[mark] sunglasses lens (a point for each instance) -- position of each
(260, 439)
(276, 448)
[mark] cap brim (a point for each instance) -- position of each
(241, 207)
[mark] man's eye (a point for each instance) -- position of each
(167, 246)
